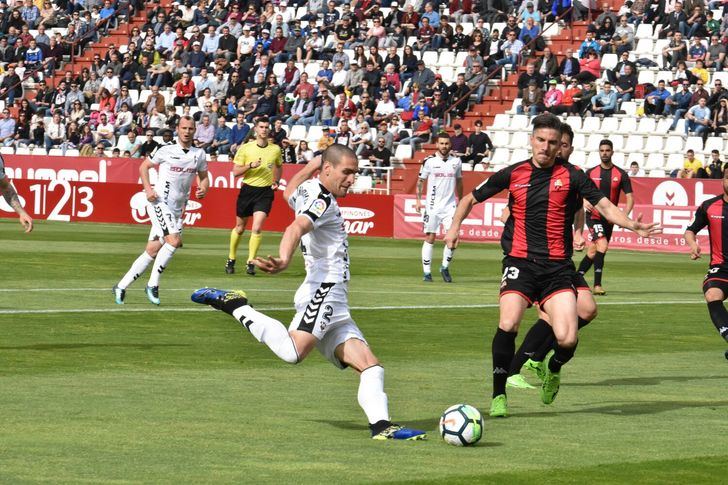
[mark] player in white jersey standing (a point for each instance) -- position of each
(177, 167)
(322, 317)
(11, 197)
(443, 173)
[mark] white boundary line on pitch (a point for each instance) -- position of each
(256, 290)
(117, 309)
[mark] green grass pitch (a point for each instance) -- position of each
(94, 392)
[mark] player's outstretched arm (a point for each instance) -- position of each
(464, 207)
(11, 197)
(308, 171)
(290, 241)
(692, 244)
(612, 213)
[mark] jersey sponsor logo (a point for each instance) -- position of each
(715, 216)
(520, 186)
(177, 169)
(558, 184)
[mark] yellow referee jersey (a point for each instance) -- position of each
(269, 157)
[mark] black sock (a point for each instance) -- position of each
(719, 316)
(598, 268)
(504, 346)
(545, 348)
(540, 332)
(379, 426)
(585, 264)
(561, 356)
(231, 305)
(583, 323)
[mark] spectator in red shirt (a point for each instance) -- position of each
(184, 91)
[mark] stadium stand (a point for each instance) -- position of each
(85, 78)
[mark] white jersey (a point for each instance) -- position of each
(176, 171)
(441, 176)
(325, 248)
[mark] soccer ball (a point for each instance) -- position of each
(461, 425)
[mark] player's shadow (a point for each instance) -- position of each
(84, 346)
(643, 381)
(630, 408)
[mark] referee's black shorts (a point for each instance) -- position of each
(536, 281)
(717, 277)
(599, 228)
(254, 199)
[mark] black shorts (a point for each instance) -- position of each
(599, 228)
(254, 199)
(717, 277)
(536, 281)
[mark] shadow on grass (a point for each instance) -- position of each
(630, 409)
(643, 381)
(84, 346)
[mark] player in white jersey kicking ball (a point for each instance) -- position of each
(443, 173)
(322, 317)
(177, 167)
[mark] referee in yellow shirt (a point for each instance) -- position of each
(260, 164)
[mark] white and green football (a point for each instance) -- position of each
(461, 425)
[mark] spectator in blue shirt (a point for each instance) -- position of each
(589, 43)
(655, 100)
(30, 13)
(678, 104)
(431, 15)
(238, 133)
(697, 119)
(223, 138)
(604, 102)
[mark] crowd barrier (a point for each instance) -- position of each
(94, 190)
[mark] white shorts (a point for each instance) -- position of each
(164, 222)
(322, 309)
(432, 220)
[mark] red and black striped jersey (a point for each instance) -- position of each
(542, 203)
(611, 182)
(714, 214)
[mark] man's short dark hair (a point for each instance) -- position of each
(443, 135)
(691, 151)
(478, 123)
(337, 152)
(262, 119)
(567, 130)
(607, 142)
(549, 121)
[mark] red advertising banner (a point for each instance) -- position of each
(483, 225)
(61, 200)
(116, 170)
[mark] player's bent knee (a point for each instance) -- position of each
(568, 341)
(587, 312)
(714, 294)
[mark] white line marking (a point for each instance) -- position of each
(118, 309)
(258, 290)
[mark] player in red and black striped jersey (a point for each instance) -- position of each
(540, 338)
(545, 193)
(713, 214)
(611, 181)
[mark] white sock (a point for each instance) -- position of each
(447, 254)
(268, 331)
(427, 257)
(371, 396)
(160, 263)
(138, 267)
